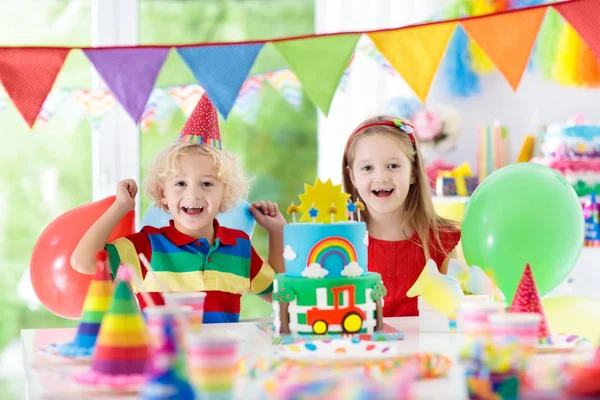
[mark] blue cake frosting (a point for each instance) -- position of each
(315, 250)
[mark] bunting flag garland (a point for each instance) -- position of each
(319, 79)
(95, 103)
(286, 83)
(53, 102)
(507, 39)
(28, 74)
(122, 68)
(221, 70)
(415, 52)
(186, 97)
(247, 103)
(4, 100)
(319, 65)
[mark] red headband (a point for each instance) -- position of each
(400, 124)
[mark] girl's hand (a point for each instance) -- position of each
(267, 216)
(126, 192)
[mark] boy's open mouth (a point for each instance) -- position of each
(195, 210)
(382, 192)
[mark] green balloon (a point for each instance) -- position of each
(524, 213)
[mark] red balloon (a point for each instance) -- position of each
(58, 286)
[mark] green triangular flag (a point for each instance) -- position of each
(123, 302)
(319, 63)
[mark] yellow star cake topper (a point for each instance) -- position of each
(323, 197)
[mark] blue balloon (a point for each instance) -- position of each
(239, 217)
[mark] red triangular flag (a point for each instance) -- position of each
(202, 126)
(583, 16)
(527, 300)
(27, 74)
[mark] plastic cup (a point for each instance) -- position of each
(475, 318)
(155, 322)
(212, 364)
(195, 300)
(518, 330)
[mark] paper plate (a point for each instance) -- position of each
(338, 351)
(564, 343)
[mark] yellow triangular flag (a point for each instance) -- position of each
(415, 52)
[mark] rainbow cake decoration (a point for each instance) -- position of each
(95, 306)
(327, 287)
(120, 359)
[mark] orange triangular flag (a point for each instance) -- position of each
(27, 74)
(415, 52)
(507, 39)
(527, 300)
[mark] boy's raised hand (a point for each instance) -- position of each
(126, 192)
(267, 215)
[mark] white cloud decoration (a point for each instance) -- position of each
(352, 270)
(289, 253)
(314, 271)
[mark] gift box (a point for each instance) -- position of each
(592, 225)
(458, 182)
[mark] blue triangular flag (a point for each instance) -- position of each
(221, 70)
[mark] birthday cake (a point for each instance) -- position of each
(327, 287)
(574, 151)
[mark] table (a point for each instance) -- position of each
(46, 378)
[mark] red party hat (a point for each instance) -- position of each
(202, 126)
(527, 300)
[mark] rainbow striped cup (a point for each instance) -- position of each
(519, 328)
(475, 318)
(212, 364)
(195, 300)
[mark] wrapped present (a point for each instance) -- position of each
(457, 182)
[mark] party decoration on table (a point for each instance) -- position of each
(460, 181)
(338, 351)
(120, 360)
(164, 383)
(60, 288)
(320, 197)
(473, 280)
(527, 300)
(592, 224)
(564, 343)
(493, 149)
(574, 315)
(96, 304)
(583, 380)
(537, 203)
(441, 291)
(374, 359)
(388, 333)
(351, 385)
(491, 371)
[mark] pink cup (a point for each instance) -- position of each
(520, 328)
(475, 318)
(195, 300)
